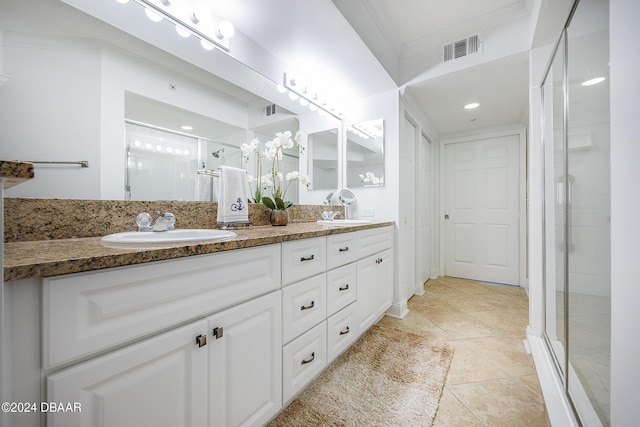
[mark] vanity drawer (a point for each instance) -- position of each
(303, 305)
(341, 331)
(303, 258)
(303, 359)
(341, 287)
(374, 240)
(341, 249)
(86, 312)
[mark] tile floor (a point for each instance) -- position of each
(492, 380)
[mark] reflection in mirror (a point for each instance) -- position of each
(323, 156)
(163, 163)
(365, 154)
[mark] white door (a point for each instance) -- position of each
(407, 214)
(482, 223)
(246, 363)
(161, 381)
(423, 221)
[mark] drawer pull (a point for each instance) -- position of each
(218, 332)
(307, 307)
(345, 249)
(344, 288)
(201, 340)
(345, 331)
(309, 360)
(309, 258)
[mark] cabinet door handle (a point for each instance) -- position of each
(344, 288)
(218, 332)
(309, 360)
(309, 258)
(307, 307)
(201, 340)
(345, 331)
(345, 249)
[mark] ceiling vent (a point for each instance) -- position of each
(270, 110)
(461, 48)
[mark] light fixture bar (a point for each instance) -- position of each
(312, 97)
(358, 129)
(161, 7)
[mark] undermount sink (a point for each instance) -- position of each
(344, 222)
(171, 236)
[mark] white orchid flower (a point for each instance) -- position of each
(293, 175)
(250, 178)
(306, 180)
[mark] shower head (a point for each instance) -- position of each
(217, 154)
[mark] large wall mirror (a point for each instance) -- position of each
(323, 156)
(81, 89)
(365, 154)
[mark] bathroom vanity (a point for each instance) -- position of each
(212, 334)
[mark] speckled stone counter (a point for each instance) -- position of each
(45, 258)
(13, 173)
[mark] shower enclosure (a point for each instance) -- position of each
(576, 138)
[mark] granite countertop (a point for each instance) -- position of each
(13, 173)
(43, 258)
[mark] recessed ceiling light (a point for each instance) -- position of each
(186, 127)
(592, 82)
(471, 106)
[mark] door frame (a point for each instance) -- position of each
(521, 133)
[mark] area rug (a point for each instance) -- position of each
(387, 378)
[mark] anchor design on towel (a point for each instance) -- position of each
(238, 206)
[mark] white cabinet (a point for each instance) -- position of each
(226, 369)
(246, 363)
(375, 287)
(303, 359)
(342, 331)
(162, 381)
(304, 305)
(87, 312)
(303, 258)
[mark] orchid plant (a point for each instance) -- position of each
(273, 180)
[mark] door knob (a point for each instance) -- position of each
(446, 216)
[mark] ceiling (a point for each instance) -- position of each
(365, 47)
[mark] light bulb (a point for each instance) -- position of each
(201, 13)
(207, 45)
(281, 89)
(226, 30)
(122, 1)
(304, 102)
(293, 96)
(153, 15)
(471, 106)
(182, 32)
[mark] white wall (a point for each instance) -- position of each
(65, 101)
(625, 212)
(51, 111)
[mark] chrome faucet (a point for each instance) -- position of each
(330, 216)
(164, 221)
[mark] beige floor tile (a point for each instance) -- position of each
(506, 301)
(502, 402)
(467, 367)
(462, 325)
(531, 382)
(452, 413)
(418, 324)
(505, 352)
(508, 322)
(470, 304)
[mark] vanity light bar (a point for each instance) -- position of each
(196, 22)
(299, 88)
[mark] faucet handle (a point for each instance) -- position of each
(171, 220)
(144, 221)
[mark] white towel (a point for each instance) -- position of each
(232, 196)
(204, 183)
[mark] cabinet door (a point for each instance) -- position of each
(246, 363)
(384, 282)
(158, 382)
(375, 287)
(366, 292)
